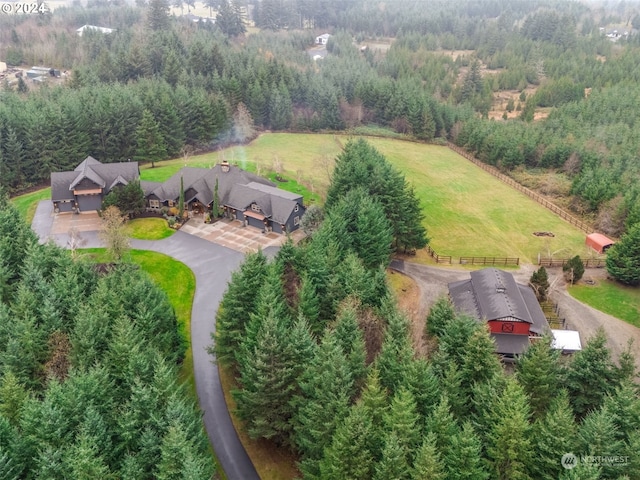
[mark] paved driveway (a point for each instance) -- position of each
(212, 265)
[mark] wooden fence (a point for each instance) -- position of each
(552, 313)
(472, 260)
(561, 262)
(530, 193)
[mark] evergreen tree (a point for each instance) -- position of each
(349, 337)
(348, 455)
(12, 396)
(623, 258)
(323, 404)
(479, 362)
(464, 457)
(229, 20)
(509, 444)
(393, 463)
(396, 353)
(539, 373)
(573, 269)
(374, 400)
(422, 382)
(150, 145)
(268, 383)
(181, 199)
(215, 206)
(539, 281)
(598, 436)
(428, 462)
(237, 306)
(402, 419)
(309, 305)
(362, 166)
(444, 428)
(590, 377)
(158, 15)
(440, 315)
(552, 435)
(624, 406)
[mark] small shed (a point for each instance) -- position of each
(598, 242)
(567, 341)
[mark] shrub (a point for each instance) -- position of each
(539, 281)
(573, 269)
(173, 212)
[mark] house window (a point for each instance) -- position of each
(296, 221)
(255, 207)
(154, 203)
(296, 208)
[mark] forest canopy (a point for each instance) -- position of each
(88, 369)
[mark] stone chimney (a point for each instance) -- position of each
(224, 166)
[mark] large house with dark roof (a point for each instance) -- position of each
(84, 188)
(511, 310)
(253, 200)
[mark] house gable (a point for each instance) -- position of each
(91, 178)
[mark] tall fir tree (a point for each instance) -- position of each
(538, 371)
(552, 435)
(509, 445)
(428, 463)
(590, 376)
(150, 145)
(237, 306)
(323, 404)
(623, 258)
(348, 455)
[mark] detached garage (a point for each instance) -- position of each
(599, 242)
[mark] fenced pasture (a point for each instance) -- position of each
(469, 212)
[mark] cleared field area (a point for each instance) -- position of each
(468, 212)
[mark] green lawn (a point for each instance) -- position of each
(149, 228)
(610, 297)
(27, 203)
(178, 282)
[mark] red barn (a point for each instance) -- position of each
(510, 309)
(598, 242)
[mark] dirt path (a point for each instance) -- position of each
(432, 282)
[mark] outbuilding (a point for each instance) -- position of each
(599, 242)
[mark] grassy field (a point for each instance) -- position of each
(27, 203)
(612, 298)
(468, 211)
(149, 228)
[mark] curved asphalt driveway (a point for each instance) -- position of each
(212, 265)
